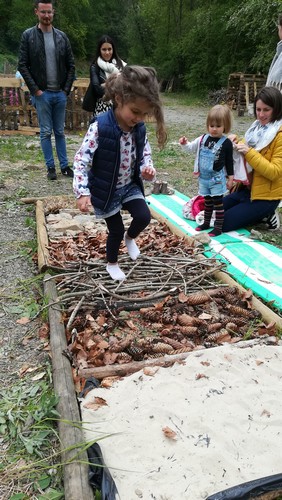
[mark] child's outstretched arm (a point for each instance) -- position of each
(189, 146)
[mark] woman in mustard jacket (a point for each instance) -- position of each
(262, 149)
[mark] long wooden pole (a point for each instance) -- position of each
(76, 484)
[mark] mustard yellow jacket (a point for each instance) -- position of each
(267, 170)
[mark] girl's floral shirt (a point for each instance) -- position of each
(84, 156)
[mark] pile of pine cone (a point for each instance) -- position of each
(173, 326)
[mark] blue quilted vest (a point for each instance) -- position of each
(103, 175)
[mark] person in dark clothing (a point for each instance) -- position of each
(46, 63)
(117, 148)
(106, 62)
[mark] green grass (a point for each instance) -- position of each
(25, 297)
(184, 99)
(27, 416)
(14, 149)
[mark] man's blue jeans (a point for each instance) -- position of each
(51, 111)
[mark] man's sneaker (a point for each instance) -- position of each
(273, 221)
(51, 175)
(68, 172)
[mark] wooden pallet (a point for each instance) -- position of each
(242, 89)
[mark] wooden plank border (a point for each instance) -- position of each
(76, 467)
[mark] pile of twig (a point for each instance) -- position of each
(169, 303)
(148, 279)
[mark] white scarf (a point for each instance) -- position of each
(259, 136)
(108, 67)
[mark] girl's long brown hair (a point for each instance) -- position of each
(138, 82)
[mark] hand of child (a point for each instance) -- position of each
(183, 140)
(148, 173)
(83, 203)
(229, 182)
(233, 138)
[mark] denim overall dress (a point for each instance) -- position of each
(210, 182)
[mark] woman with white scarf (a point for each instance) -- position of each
(105, 63)
(262, 149)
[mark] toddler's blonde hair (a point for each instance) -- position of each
(220, 114)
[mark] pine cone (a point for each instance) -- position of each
(183, 349)
(135, 352)
(189, 330)
(197, 298)
(214, 311)
(123, 357)
(218, 337)
(174, 343)
(186, 320)
(153, 315)
(121, 344)
(169, 318)
(213, 327)
(237, 321)
(239, 311)
(161, 347)
(231, 327)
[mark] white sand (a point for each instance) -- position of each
(227, 424)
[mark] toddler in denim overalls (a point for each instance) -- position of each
(213, 165)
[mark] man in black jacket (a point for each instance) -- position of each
(47, 65)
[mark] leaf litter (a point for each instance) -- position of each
(169, 304)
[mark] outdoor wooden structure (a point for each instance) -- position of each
(17, 114)
(241, 90)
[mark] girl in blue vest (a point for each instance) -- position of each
(213, 165)
(117, 149)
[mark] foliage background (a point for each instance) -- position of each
(198, 42)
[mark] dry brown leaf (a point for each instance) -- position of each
(109, 358)
(130, 324)
(247, 296)
(182, 298)
(205, 316)
(81, 359)
(235, 339)
(150, 371)
(26, 339)
(259, 362)
(90, 318)
(205, 363)
(108, 382)
(265, 413)
(102, 345)
(89, 344)
(96, 404)
(101, 320)
(270, 329)
(27, 369)
(23, 321)
(39, 376)
(169, 433)
(43, 331)
(200, 375)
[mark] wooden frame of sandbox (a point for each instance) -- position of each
(71, 435)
